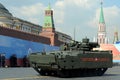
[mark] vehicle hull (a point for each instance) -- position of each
(91, 64)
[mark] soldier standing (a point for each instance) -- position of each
(3, 60)
(0, 61)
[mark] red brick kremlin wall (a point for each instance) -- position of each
(23, 35)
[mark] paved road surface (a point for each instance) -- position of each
(30, 74)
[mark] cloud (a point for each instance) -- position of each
(112, 15)
(77, 13)
(59, 12)
(32, 13)
(68, 14)
(112, 21)
(70, 9)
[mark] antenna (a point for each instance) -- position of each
(74, 32)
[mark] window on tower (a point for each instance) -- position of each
(48, 13)
(45, 24)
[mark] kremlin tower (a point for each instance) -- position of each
(115, 37)
(101, 36)
(48, 29)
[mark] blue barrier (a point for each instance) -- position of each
(19, 47)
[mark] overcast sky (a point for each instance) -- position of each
(83, 15)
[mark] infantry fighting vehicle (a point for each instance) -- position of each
(73, 59)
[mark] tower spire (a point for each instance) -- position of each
(101, 37)
(101, 20)
(49, 6)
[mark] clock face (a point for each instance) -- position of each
(45, 24)
(48, 24)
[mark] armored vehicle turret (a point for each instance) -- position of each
(73, 59)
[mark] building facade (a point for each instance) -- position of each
(9, 21)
